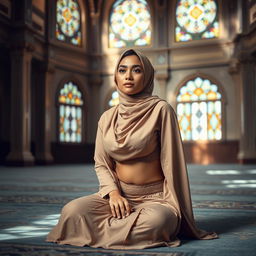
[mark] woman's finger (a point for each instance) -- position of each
(113, 210)
(127, 208)
(117, 210)
(122, 208)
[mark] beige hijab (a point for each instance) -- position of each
(134, 107)
(136, 117)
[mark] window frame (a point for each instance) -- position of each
(172, 21)
(223, 101)
(83, 22)
(58, 104)
(106, 27)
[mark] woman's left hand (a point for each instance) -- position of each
(119, 205)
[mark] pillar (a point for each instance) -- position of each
(20, 139)
(162, 78)
(43, 153)
(247, 144)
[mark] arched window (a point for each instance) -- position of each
(199, 110)
(129, 24)
(196, 19)
(114, 99)
(68, 22)
(70, 113)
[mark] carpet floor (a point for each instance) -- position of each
(31, 199)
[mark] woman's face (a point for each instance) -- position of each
(130, 75)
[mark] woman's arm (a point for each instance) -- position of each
(104, 167)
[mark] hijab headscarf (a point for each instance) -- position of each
(134, 107)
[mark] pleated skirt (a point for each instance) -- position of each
(87, 221)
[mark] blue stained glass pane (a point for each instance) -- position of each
(73, 137)
(218, 107)
(198, 81)
(66, 125)
(214, 88)
(79, 113)
(67, 137)
(67, 111)
(73, 112)
(78, 137)
(74, 125)
(184, 123)
(62, 137)
(62, 110)
(214, 122)
(203, 97)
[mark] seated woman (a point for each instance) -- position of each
(144, 198)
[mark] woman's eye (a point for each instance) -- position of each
(137, 70)
(121, 70)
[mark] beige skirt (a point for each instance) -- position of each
(87, 221)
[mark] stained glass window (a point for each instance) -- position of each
(129, 24)
(70, 114)
(199, 110)
(196, 19)
(68, 22)
(114, 99)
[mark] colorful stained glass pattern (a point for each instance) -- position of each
(68, 22)
(114, 99)
(196, 19)
(199, 110)
(129, 24)
(70, 114)
(70, 94)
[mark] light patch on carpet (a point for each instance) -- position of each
(230, 172)
(239, 183)
(38, 228)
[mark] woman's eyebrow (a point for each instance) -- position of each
(133, 66)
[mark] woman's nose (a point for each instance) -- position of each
(128, 75)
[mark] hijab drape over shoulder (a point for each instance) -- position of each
(135, 128)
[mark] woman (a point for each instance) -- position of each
(144, 198)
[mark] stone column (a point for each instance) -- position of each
(162, 78)
(43, 153)
(247, 147)
(20, 139)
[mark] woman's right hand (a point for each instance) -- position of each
(119, 205)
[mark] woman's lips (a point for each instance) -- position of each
(128, 85)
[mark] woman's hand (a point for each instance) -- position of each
(119, 205)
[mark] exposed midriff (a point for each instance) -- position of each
(139, 172)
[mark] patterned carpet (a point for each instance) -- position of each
(31, 199)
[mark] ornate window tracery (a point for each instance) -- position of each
(68, 22)
(196, 19)
(70, 113)
(199, 110)
(129, 24)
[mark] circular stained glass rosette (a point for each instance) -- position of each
(196, 17)
(68, 21)
(130, 22)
